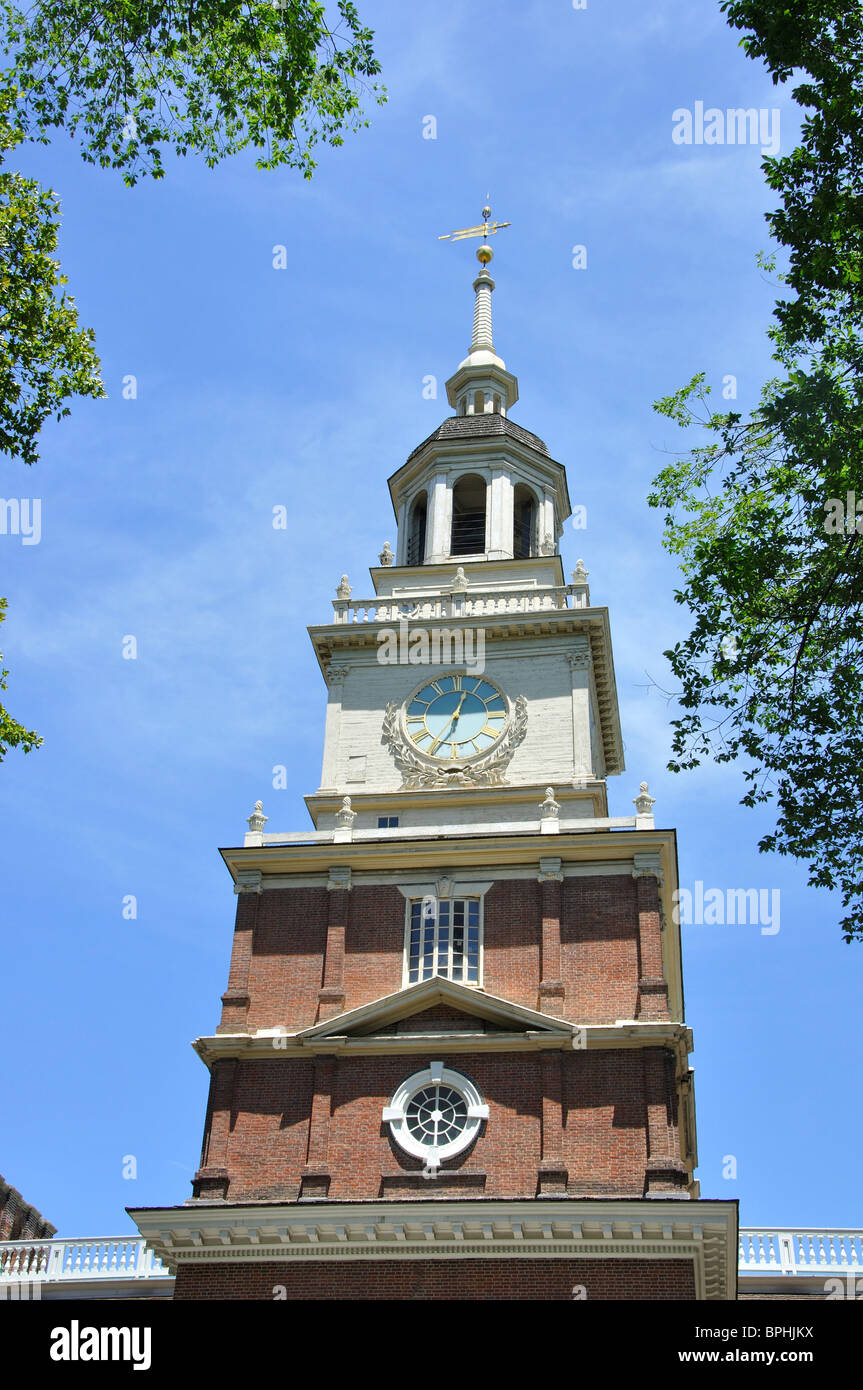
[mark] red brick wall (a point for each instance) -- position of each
(604, 1127)
(269, 1130)
(525, 1279)
(374, 944)
(263, 1139)
(511, 941)
(599, 949)
(287, 957)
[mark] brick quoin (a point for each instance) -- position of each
(550, 1280)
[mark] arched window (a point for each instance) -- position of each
(523, 522)
(417, 531)
(468, 516)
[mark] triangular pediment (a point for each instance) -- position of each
(438, 1006)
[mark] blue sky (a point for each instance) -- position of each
(303, 387)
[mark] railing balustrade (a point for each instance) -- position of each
(807, 1250)
(762, 1250)
(50, 1261)
(471, 603)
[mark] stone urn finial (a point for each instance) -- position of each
(386, 556)
(344, 590)
(257, 820)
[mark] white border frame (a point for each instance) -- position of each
(412, 892)
(435, 1074)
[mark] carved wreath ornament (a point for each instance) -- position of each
(485, 769)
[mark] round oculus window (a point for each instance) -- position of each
(435, 1114)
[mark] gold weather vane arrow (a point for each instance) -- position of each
(484, 231)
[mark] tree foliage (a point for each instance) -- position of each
(45, 357)
(763, 514)
(13, 734)
(126, 79)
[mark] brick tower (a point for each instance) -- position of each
(452, 1060)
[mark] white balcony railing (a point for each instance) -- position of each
(472, 603)
(764, 1250)
(55, 1261)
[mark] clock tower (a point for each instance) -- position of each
(452, 1060)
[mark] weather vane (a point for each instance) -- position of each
(484, 252)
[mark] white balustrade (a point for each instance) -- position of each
(762, 1250)
(804, 1251)
(50, 1261)
(472, 603)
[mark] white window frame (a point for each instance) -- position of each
(435, 1074)
(444, 890)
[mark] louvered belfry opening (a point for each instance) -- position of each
(417, 531)
(524, 520)
(468, 516)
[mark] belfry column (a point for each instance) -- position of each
(500, 516)
(439, 520)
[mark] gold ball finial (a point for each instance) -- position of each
(486, 213)
(484, 253)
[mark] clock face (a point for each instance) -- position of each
(456, 717)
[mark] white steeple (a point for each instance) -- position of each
(481, 384)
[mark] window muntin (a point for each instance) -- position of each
(388, 822)
(444, 939)
(435, 1115)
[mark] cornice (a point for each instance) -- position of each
(277, 1043)
(443, 799)
(502, 849)
(442, 570)
(255, 881)
(704, 1232)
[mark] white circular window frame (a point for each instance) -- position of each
(436, 1074)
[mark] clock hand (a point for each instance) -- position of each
(439, 741)
(452, 723)
(451, 728)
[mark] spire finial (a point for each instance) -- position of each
(481, 383)
(484, 252)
